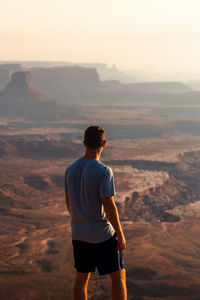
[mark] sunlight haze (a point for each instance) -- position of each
(153, 36)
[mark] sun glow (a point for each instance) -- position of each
(146, 35)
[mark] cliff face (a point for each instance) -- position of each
(82, 84)
(5, 72)
(65, 83)
(20, 87)
(38, 149)
(159, 87)
(147, 195)
(180, 187)
(75, 83)
(20, 100)
(156, 203)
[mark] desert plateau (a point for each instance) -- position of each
(153, 147)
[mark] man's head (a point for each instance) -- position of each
(94, 137)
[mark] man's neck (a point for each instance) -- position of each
(91, 154)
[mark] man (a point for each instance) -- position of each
(97, 235)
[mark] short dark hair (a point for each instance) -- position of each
(94, 137)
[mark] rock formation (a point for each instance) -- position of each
(20, 100)
(5, 72)
(66, 83)
(20, 87)
(82, 84)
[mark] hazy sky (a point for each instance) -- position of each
(152, 35)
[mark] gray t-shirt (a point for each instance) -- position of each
(86, 181)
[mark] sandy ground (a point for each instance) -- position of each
(166, 149)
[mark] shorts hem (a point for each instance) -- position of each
(110, 272)
(80, 271)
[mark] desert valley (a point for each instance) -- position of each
(153, 147)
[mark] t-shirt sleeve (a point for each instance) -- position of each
(107, 187)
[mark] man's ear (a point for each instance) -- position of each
(84, 143)
(104, 143)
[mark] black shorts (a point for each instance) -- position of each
(103, 256)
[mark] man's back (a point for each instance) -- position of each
(86, 182)
(89, 191)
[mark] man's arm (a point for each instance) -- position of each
(113, 216)
(67, 201)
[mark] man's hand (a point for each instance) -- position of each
(121, 242)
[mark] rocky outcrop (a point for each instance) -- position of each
(20, 87)
(159, 87)
(66, 83)
(82, 84)
(6, 71)
(20, 100)
(39, 149)
(152, 204)
(36, 181)
(106, 73)
(5, 200)
(181, 188)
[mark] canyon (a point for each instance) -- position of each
(36, 251)
(153, 147)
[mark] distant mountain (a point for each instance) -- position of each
(159, 87)
(195, 84)
(20, 87)
(75, 84)
(5, 72)
(66, 83)
(78, 84)
(112, 73)
(104, 72)
(20, 100)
